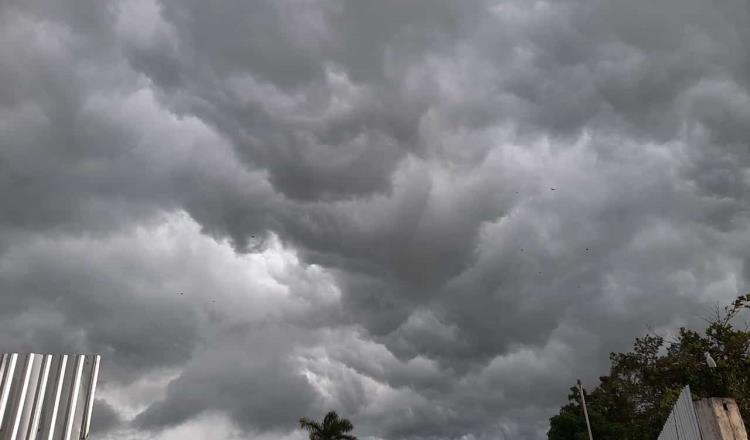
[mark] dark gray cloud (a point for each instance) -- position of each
(226, 375)
(431, 215)
(106, 417)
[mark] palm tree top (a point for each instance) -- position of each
(332, 428)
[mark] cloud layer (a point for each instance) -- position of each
(432, 216)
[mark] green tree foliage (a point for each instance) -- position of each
(331, 428)
(634, 400)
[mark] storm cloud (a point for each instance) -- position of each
(432, 216)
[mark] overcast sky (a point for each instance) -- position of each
(432, 216)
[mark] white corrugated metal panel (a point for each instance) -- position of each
(682, 423)
(47, 397)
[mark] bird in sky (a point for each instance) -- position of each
(709, 360)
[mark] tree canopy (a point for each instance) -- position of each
(331, 428)
(633, 401)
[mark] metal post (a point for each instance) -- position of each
(585, 412)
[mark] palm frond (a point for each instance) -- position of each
(344, 425)
(310, 426)
(331, 428)
(330, 419)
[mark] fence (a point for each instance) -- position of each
(682, 423)
(46, 397)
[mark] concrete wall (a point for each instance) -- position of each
(720, 419)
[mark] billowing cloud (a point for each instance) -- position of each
(432, 216)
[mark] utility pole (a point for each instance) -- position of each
(585, 413)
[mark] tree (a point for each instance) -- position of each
(634, 400)
(332, 428)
